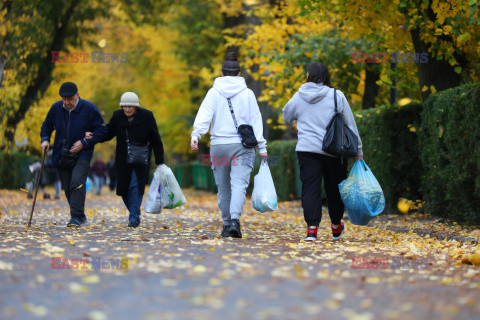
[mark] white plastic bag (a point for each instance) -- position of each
(170, 193)
(153, 203)
(264, 196)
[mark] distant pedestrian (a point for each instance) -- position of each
(99, 173)
(112, 173)
(228, 98)
(71, 118)
(313, 107)
(133, 126)
(30, 185)
(53, 176)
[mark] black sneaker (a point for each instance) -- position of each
(76, 222)
(133, 224)
(226, 231)
(338, 233)
(312, 233)
(235, 229)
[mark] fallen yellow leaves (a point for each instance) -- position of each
(290, 272)
(473, 259)
(97, 315)
(169, 251)
(475, 233)
(91, 279)
(6, 266)
(373, 280)
(78, 288)
(199, 269)
(37, 311)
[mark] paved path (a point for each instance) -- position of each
(176, 267)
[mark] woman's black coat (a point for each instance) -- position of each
(143, 129)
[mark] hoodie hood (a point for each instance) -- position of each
(313, 92)
(229, 86)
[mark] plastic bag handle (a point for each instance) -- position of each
(364, 165)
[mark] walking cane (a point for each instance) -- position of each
(36, 190)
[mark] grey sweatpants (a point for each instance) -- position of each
(232, 165)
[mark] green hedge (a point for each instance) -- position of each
(184, 174)
(203, 178)
(450, 145)
(14, 169)
(390, 146)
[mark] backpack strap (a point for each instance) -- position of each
(335, 99)
(233, 113)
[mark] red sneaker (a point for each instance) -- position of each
(337, 233)
(312, 233)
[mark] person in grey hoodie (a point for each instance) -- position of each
(313, 107)
(232, 163)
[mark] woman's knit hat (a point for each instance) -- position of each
(129, 99)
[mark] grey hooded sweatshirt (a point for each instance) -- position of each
(313, 107)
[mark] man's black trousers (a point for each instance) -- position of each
(74, 184)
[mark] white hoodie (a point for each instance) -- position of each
(214, 109)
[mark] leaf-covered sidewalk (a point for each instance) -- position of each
(176, 267)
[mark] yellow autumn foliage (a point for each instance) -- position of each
(152, 71)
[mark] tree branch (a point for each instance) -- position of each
(44, 75)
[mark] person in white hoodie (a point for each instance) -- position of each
(313, 107)
(232, 163)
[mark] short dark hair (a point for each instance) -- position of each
(230, 66)
(318, 73)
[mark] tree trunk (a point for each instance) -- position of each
(437, 73)
(44, 75)
(231, 22)
(2, 68)
(372, 75)
(7, 5)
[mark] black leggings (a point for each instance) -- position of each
(313, 167)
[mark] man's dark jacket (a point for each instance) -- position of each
(84, 117)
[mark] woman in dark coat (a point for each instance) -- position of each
(142, 129)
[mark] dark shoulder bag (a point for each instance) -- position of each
(67, 159)
(137, 153)
(245, 130)
(339, 140)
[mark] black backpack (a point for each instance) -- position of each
(339, 140)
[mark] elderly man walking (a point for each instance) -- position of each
(71, 118)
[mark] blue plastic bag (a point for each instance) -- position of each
(88, 184)
(361, 194)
